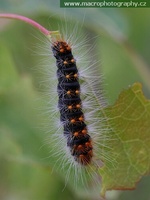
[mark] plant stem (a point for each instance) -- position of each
(27, 20)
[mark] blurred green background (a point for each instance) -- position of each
(123, 48)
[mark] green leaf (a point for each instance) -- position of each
(130, 145)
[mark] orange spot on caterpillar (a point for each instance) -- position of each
(78, 106)
(88, 144)
(76, 134)
(73, 60)
(80, 147)
(81, 118)
(72, 121)
(75, 75)
(70, 107)
(77, 91)
(67, 76)
(68, 92)
(65, 62)
(62, 50)
(84, 131)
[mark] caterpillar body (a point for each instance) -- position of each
(70, 105)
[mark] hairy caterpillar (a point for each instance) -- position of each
(70, 105)
(76, 81)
